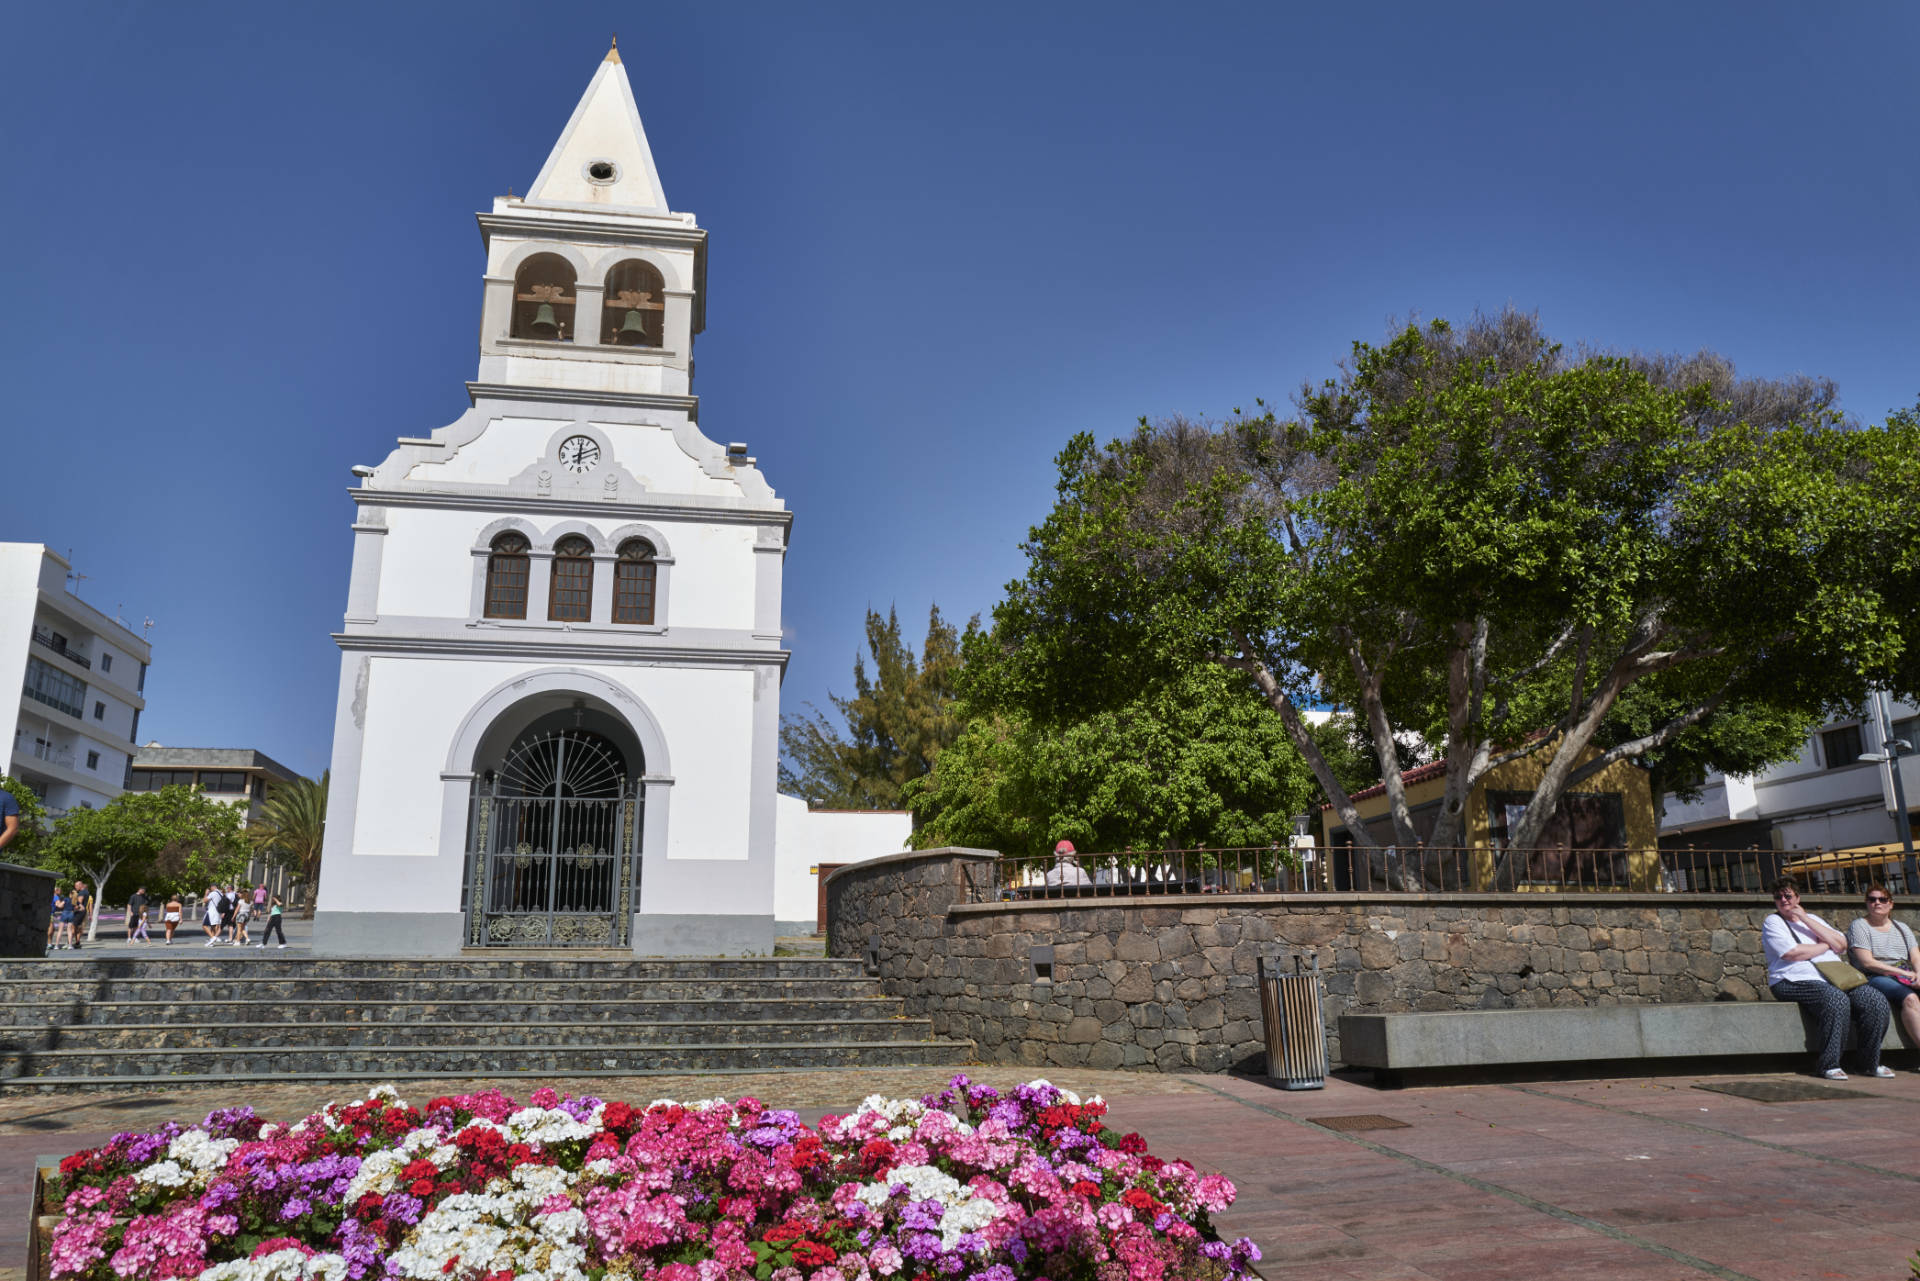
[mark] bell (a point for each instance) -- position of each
(545, 325)
(633, 329)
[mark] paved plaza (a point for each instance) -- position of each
(1648, 1178)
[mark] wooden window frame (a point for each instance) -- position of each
(571, 574)
(501, 598)
(637, 602)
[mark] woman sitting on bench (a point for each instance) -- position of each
(1885, 951)
(1797, 942)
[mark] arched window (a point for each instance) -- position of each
(636, 306)
(571, 600)
(507, 577)
(543, 299)
(634, 576)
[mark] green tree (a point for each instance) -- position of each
(1187, 764)
(292, 829)
(173, 839)
(897, 722)
(28, 846)
(1474, 536)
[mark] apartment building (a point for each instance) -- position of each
(1838, 794)
(80, 674)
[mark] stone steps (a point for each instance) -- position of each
(80, 1023)
(427, 990)
(84, 1012)
(257, 1064)
(194, 1036)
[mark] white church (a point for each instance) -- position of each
(559, 704)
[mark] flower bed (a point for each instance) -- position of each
(965, 1185)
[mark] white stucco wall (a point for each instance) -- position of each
(19, 593)
(804, 839)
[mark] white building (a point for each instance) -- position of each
(80, 674)
(813, 842)
(559, 697)
(1826, 798)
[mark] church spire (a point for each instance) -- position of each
(602, 157)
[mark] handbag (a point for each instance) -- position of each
(1839, 973)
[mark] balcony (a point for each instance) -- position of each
(41, 636)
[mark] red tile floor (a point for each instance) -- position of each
(1616, 1179)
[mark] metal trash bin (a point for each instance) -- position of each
(1296, 1033)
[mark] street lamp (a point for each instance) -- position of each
(1892, 750)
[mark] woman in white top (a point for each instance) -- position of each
(1884, 950)
(1796, 940)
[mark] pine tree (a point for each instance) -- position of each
(896, 723)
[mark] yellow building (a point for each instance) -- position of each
(1604, 835)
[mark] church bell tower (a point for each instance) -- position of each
(558, 714)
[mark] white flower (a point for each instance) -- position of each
(281, 1265)
(200, 1151)
(551, 1125)
(965, 1212)
(167, 1174)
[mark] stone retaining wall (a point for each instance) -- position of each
(26, 904)
(1169, 982)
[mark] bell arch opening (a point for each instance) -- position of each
(555, 826)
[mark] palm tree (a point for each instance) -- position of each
(291, 829)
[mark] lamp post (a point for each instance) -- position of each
(1893, 750)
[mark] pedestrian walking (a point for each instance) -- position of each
(83, 906)
(210, 915)
(137, 917)
(53, 917)
(260, 899)
(171, 914)
(242, 914)
(62, 918)
(273, 923)
(229, 903)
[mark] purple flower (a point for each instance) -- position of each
(924, 1216)
(294, 1208)
(402, 1207)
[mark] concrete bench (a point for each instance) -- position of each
(1568, 1034)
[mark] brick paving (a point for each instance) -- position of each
(1646, 1179)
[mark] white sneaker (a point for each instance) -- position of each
(283, 946)
(1883, 1072)
(1834, 1074)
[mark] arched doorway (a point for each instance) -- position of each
(555, 833)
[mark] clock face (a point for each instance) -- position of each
(579, 453)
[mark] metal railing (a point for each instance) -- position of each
(1345, 869)
(43, 637)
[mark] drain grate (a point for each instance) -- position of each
(1365, 1121)
(1781, 1090)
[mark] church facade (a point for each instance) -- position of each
(558, 714)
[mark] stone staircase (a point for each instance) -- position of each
(74, 1023)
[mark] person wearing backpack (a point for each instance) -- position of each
(1884, 950)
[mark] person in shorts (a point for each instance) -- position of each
(172, 914)
(242, 914)
(62, 918)
(82, 911)
(210, 915)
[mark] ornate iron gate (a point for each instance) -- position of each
(553, 843)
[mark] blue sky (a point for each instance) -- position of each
(943, 239)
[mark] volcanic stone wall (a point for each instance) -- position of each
(26, 903)
(1169, 982)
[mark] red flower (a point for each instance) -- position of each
(1131, 1143)
(618, 1117)
(784, 1233)
(422, 1188)
(1086, 1189)
(812, 1254)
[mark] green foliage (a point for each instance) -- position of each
(1472, 534)
(292, 827)
(174, 840)
(897, 722)
(28, 846)
(1186, 764)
